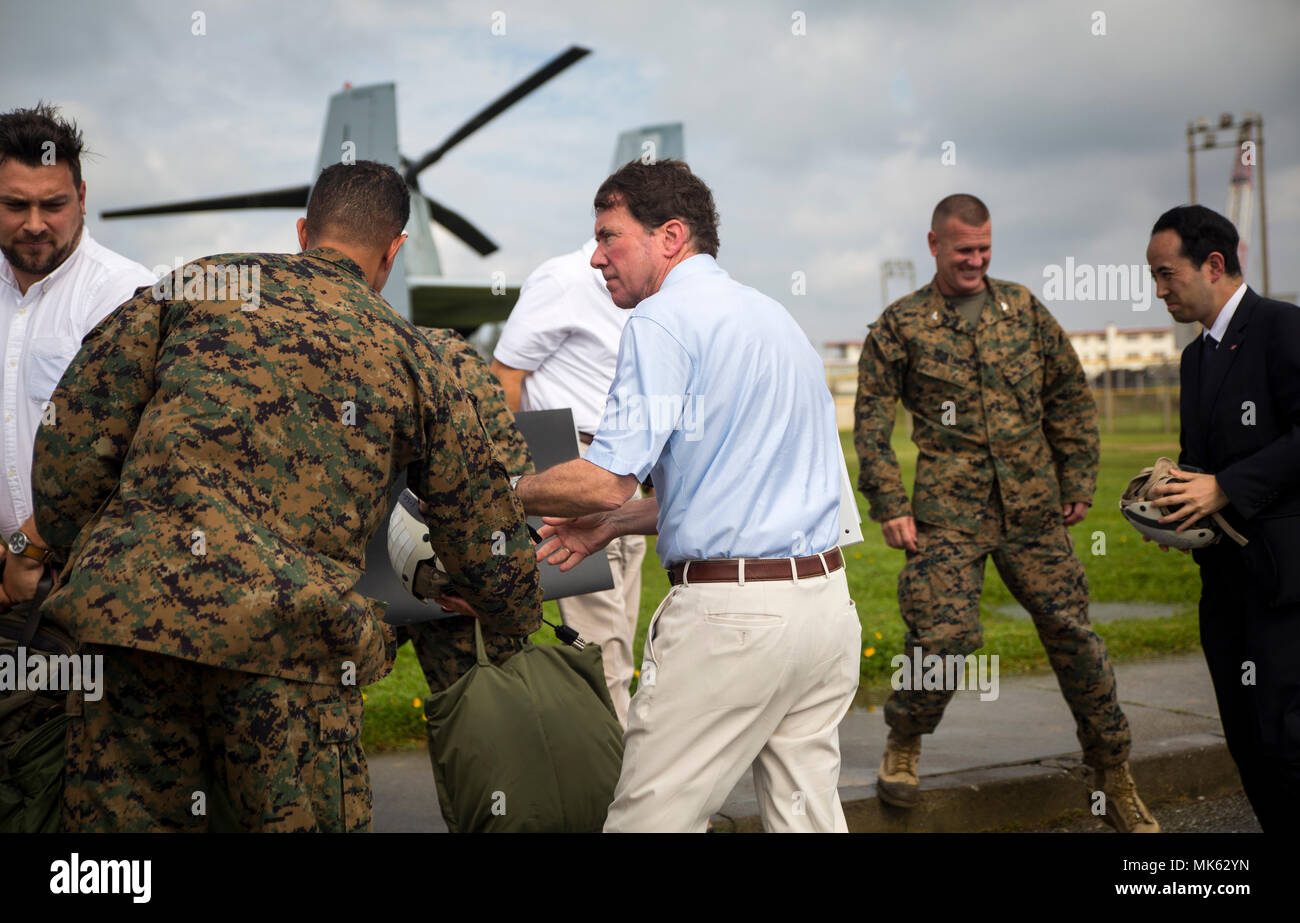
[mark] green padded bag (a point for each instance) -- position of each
(32, 730)
(532, 745)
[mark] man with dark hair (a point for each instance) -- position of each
(1006, 428)
(1240, 411)
(655, 193)
(752, 658)
(220, 461)
(56, 284)
(363, 202)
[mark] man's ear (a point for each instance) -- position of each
(386, 263)
(81, 196)
(932, 239)
(302, 233)
(391, 253)
(1216, 263)
(676, 236)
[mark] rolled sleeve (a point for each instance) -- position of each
(536, 328)
(651, 388)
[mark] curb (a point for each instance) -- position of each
(1030, 794)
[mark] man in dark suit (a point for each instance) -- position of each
(1240, 409)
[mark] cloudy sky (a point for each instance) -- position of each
(824, 149)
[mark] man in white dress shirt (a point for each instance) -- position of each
(56, 284)
(559, 349)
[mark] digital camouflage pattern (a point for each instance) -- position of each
(938, 596)
(445, 647)
(1006, 429)
(485, 393)
(1003, 405)
(214, 474)
(262, 754)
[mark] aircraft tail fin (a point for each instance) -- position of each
(653, 142)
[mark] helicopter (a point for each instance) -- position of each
(361, 124)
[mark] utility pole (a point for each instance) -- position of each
(895, 269)
(1249, 154)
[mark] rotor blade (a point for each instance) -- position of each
(293, 197)
(572, 56)
(459, 226)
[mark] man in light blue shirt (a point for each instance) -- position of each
(718, 397)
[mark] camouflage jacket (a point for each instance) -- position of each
(214, 473)
(485, 392)
(1003, 404)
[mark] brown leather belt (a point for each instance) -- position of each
(585, 438)
(755, 569)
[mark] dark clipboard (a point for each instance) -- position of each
(552, 438)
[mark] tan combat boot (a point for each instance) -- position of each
(1124, 809)
(897, 782)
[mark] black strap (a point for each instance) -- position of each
(32, 608)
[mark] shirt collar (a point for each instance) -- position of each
(41, 285)
(338, 258)
(691, 266)
(1221, 322)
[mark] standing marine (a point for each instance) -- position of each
(1006, 432)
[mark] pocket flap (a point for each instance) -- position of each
(1022, 366)
(944, 371)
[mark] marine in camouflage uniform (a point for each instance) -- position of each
(445, 647)
(213, 476)
(1006, 431)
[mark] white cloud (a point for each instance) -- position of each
(823, 149)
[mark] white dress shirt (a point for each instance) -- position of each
(1225, 315)
(40, 333)
(564, 330)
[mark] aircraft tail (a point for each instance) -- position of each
(653, 142)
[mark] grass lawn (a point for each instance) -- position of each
(1126, 570)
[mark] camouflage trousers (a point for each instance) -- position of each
(174, 745)
(938, 595)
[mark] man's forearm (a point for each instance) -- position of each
(512, 383)
(636, 517)
(574, 488)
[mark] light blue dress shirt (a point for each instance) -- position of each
(719, 396)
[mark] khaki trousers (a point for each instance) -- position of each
(737, 676)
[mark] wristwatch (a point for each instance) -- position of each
(19, 544)
(514, 481)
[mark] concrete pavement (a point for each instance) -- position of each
(1013, 761)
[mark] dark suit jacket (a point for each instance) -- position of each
(1247, 433)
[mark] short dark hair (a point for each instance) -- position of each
(25, 134)
(965, 208)
(654, 193)
(1203, 231)
(364, 202)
